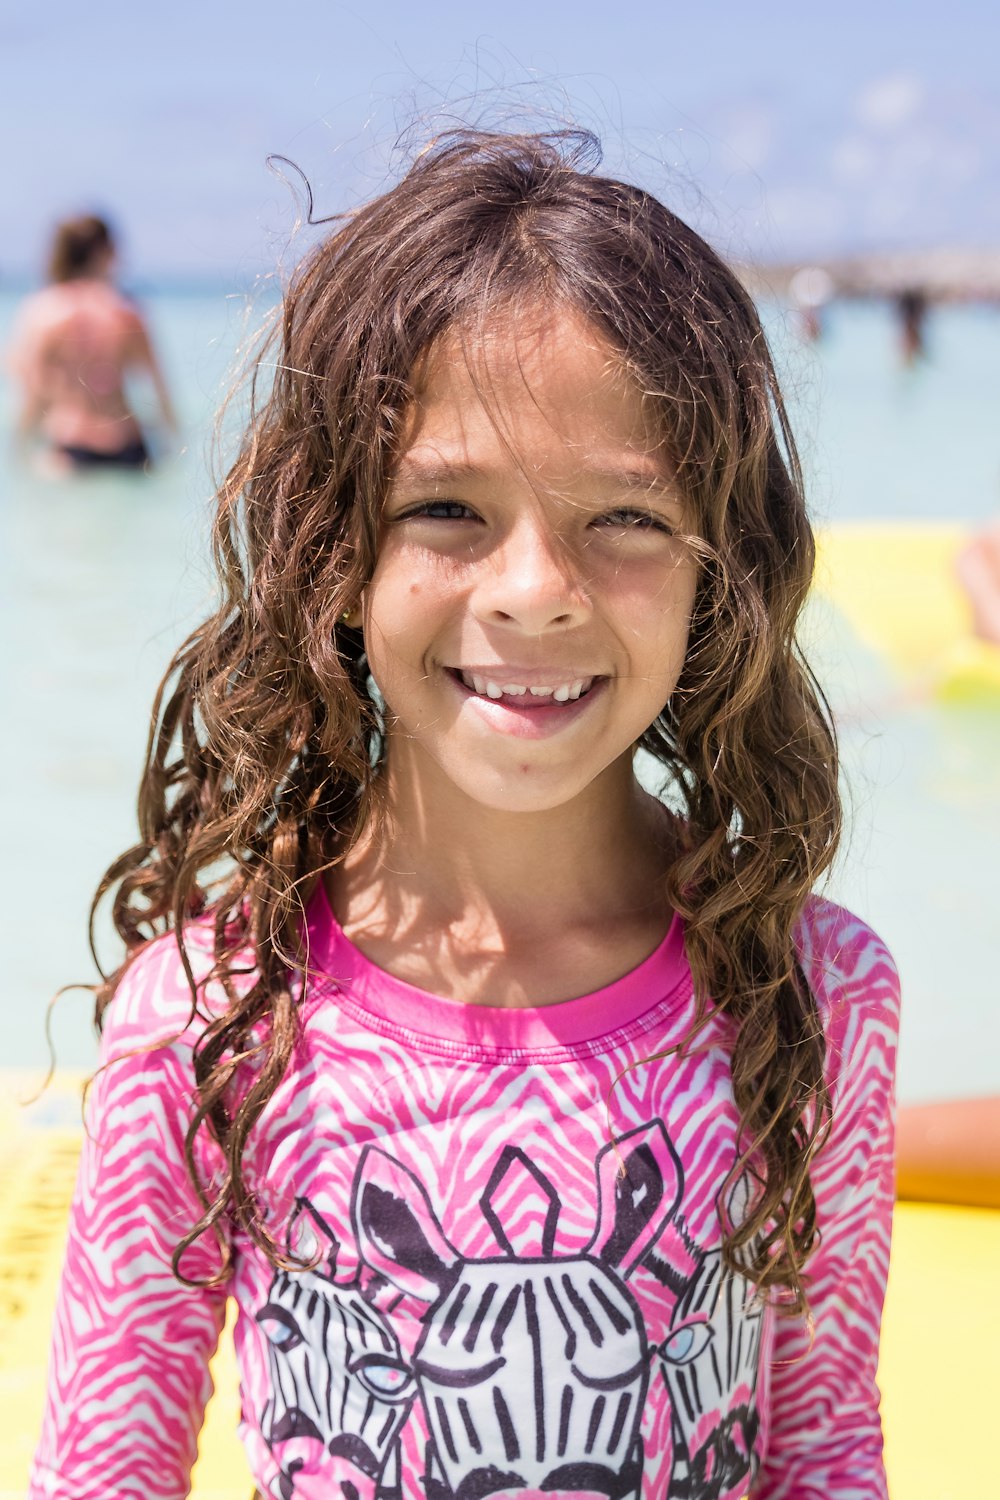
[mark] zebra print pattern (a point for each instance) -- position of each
(709, 1361)
(341, 1390)
(490, 1147)
(532, 1370)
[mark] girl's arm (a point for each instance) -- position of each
(825, 1435)
(128, 1373)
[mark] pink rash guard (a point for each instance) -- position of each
(513, 1223)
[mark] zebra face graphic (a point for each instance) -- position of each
(585, 1403)
(709, 1361)
(532, 1369)
(342, 1391)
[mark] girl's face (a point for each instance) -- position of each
(528, 614)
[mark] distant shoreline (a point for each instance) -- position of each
(945, 274)
(214, 284)
(941, 274)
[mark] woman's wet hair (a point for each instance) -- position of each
(265, 756)
(77, 247)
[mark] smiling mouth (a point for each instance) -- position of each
(525, 695)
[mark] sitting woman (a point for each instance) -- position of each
(74, 344)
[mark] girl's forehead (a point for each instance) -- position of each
(540, 377)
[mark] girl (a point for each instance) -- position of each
(541, 1131)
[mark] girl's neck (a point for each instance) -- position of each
(492, 908)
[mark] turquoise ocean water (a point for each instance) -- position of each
(102, 576)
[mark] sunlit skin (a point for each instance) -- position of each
(75, 344)
(532, 539)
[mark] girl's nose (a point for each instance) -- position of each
(532, 581)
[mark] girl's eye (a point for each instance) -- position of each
(634, 522)
(439, 510)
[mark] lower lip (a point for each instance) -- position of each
(538, 722)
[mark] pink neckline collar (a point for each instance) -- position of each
(392, 1005)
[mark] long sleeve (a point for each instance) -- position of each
(825, 1438)
(128, 1376)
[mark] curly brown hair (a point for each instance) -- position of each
(265, 753)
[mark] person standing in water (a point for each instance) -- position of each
(74, 344)
(911, 315)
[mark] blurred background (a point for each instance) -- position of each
(846, 160)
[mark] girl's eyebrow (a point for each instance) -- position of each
(439, 473)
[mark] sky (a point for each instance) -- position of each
(782, 130)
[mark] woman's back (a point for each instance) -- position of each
(77, 340)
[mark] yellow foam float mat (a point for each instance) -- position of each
(896, 584)
(939, 1373)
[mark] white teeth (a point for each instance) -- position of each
(572, 690)
(486, 687)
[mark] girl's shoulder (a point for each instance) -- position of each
(839, 952)
(854, 980)
(143, 1094)
(153, 1003)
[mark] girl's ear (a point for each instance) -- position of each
(353, 617)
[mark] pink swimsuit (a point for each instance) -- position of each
(512, 1223)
